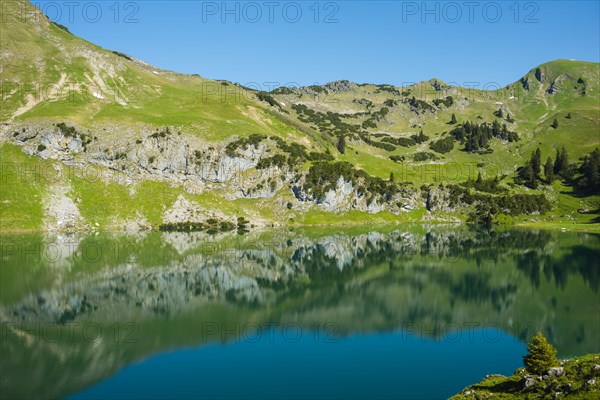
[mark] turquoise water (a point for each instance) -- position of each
(417, 312)
(372, 366)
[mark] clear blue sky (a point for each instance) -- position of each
(379, 42)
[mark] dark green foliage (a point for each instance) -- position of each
(316, 156)
(555, 124)
(477, 136)
(420, 105)
(452, 119)
(70, 131)
(64, 28)
(562, 167)
(41, 147)
(530, 174)
(390, 103)
(67, 131)
(420, 138)
(369, 124)
(161, 134)
(483, 214)
(123, 55)
(404, 142)
(527, 176)
(375, 117)
(541, 355)
(266, 97)
(278, 160)
(443, 145)
(519, 204)
(590, 169)
(323, 176)
(485, 185)
(364, 102)
(328, 123)
(382, 145)
(397, 159)
(424, 156)
(341, 144)
(244, 143)
(318, 89)
(448, 101)
(211, 226)
(387, 88)
(242, 223)
(282, 90)
(568, 116)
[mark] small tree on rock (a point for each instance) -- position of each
(541, 355)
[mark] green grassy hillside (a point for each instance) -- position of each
(120, 110)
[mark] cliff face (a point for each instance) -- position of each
(196, 166)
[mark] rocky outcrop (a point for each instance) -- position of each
(539, 75)
(340, 86)
(557, 84)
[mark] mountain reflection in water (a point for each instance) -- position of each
(76, 309)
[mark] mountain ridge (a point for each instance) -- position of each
(178, 148)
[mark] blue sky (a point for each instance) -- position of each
(283, 42)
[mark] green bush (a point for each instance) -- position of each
(424, 156)
(443, 145)
(541, 355)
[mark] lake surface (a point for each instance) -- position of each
(413, 312)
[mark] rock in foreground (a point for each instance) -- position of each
(578, 378)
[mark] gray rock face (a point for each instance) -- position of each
(556, 371)
(198, 166)
(340, 86)
(555, 87)
(539, 75)
(527, 382)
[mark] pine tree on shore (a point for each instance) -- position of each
(541, 355)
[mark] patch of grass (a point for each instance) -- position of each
(571, 385)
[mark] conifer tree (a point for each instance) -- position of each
(341, 144)
(541, 355)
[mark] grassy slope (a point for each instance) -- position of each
(132, 91)
(135, 92)
(577, 372)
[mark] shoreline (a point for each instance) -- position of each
(551, 226)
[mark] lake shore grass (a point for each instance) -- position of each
(579, 379)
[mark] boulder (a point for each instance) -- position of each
(527, 382)
(556, 371)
